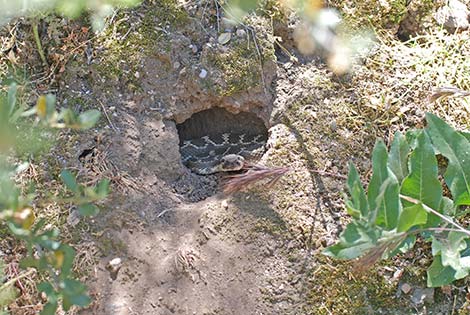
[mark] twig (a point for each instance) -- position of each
(37, 39)
(447, 91)
(218, 15)
(428, 209)
(12, 281)
(107, 117)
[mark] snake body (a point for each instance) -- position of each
(221, 153)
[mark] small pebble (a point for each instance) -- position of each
(241, 32)
(193, 48)
(405, 288)
(176, 65)
(224, 204)
(203, 74)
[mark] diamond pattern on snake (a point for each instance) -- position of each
(221, 153)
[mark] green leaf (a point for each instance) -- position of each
(356, 191)
(69, 255)
(379, 174)
(89, 118)
(79, 300)
(354, 241)
(398, 156)
(50, 105)
(88, 209)
(7, 296)
(382, 193)
(412, 216)
(102, 189)
(389, 204)
(439, 275)
(29, 262)
(73, 293)
(49, 309)
(405, 246)
(456, 148)
(422, 183)
(47, 288)
(450, 249)
(11, 101)
(69, 180)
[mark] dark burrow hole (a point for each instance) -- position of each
(205, 130)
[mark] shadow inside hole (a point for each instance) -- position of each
(216, 121)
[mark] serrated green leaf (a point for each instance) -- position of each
(356, 191)
(88, 209)
(412, 216)
(456, 148)
(398, 156)
(354, 241)
(69, 180)
(89, 118)
(422, 183)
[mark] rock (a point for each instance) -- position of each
(203, 74)
(224, 38)
(241, 32)
(113, 267)
(405, 288)
(73, 218)
(421, 295)
(453, 16)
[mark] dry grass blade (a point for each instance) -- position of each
(447, 92)
(254, 174)
(376, 253)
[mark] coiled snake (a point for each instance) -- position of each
(221, 153)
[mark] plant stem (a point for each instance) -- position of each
(38, 42)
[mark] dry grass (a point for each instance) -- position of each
(254, 173)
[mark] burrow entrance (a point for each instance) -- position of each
(211, 124)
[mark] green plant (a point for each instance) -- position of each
(99, 9)
(405, 199)
(45, 252)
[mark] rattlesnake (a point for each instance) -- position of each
(221, 153)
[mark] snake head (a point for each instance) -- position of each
(231, 162)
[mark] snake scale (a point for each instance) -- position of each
(221, 153)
